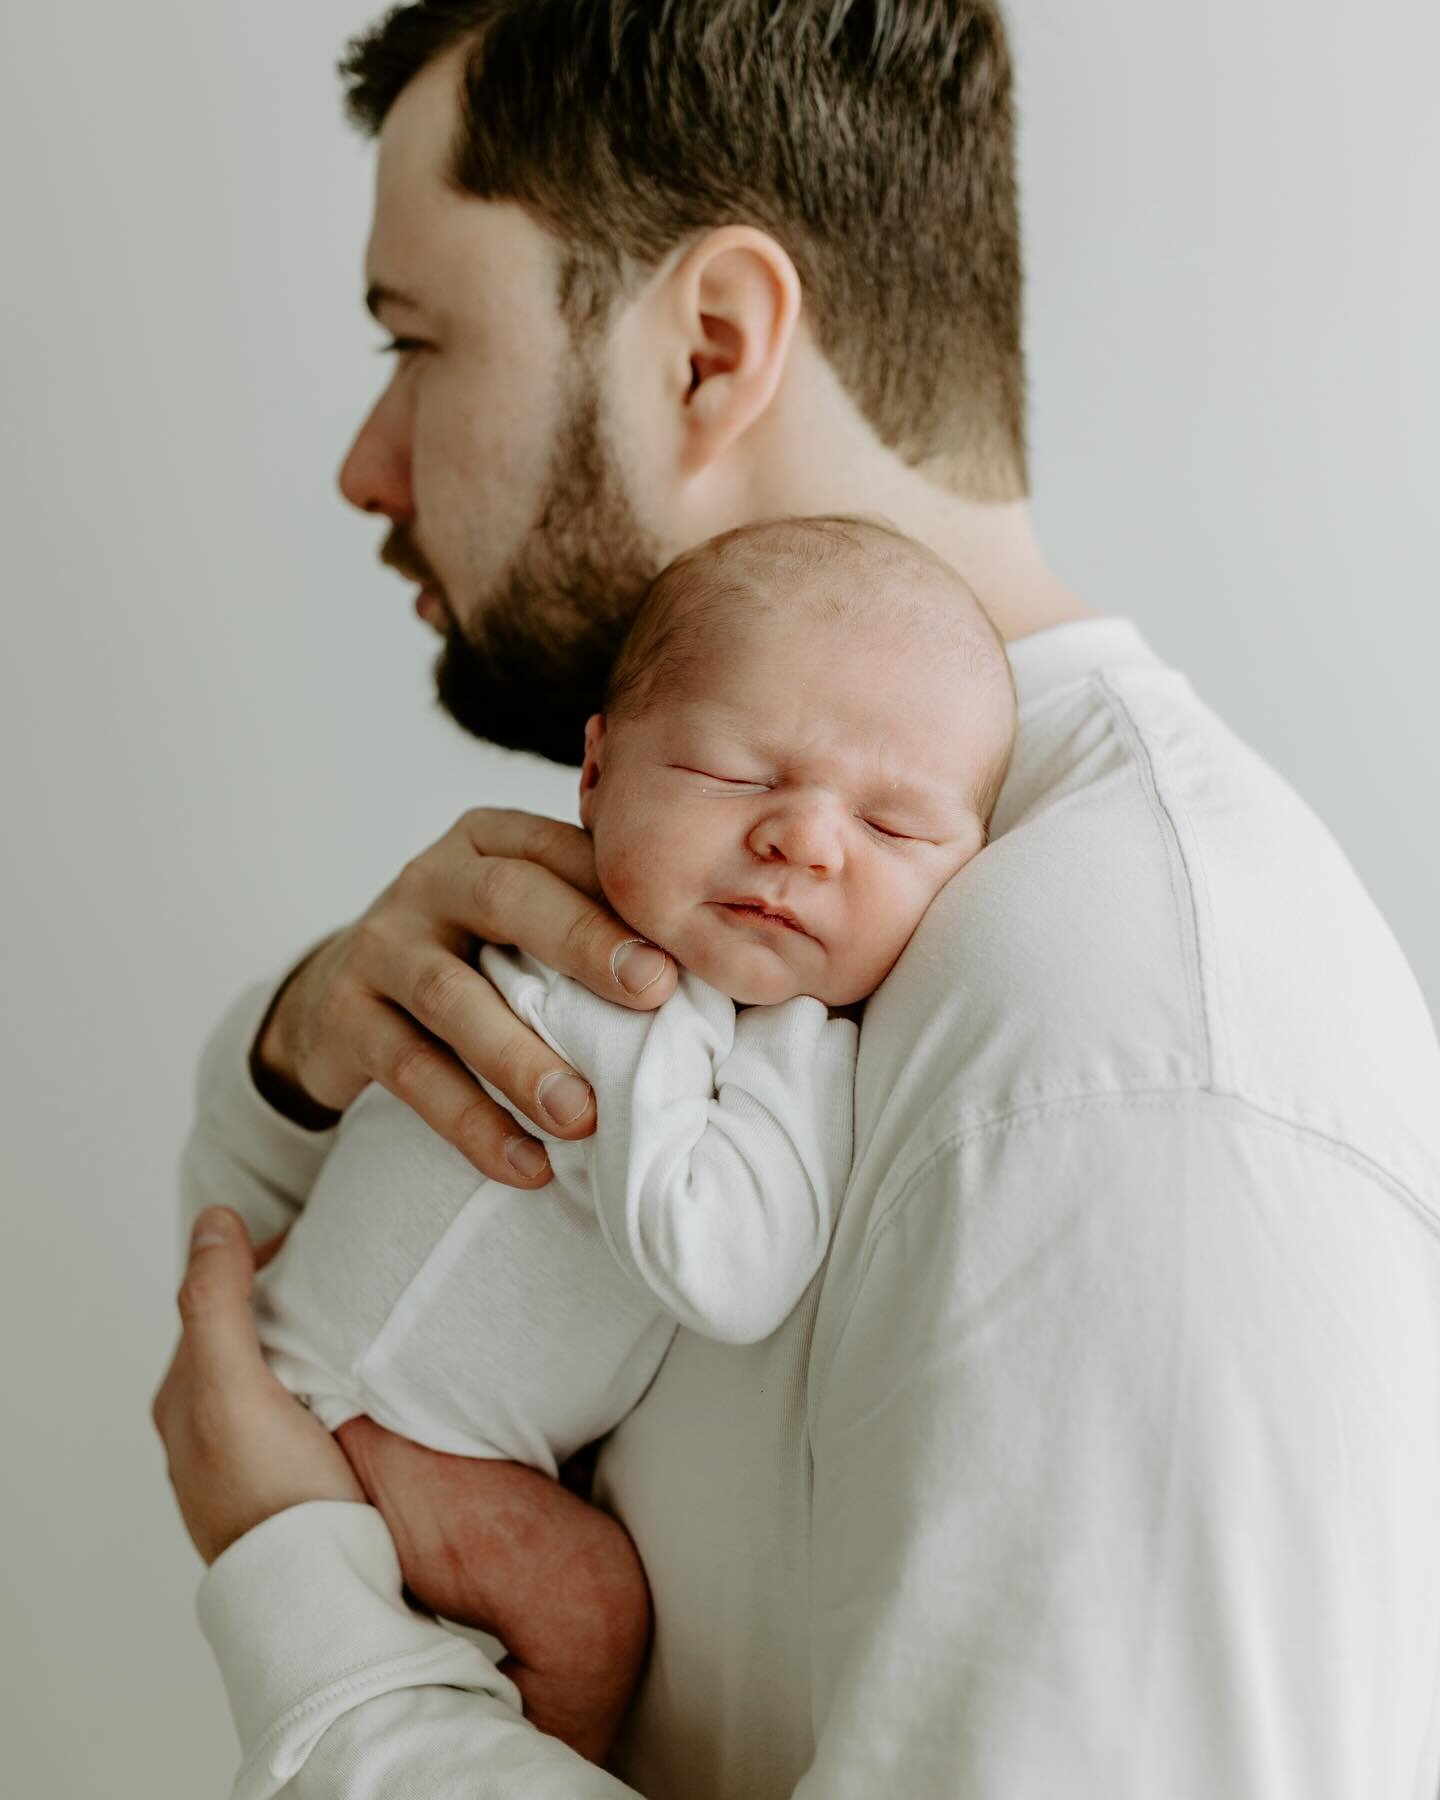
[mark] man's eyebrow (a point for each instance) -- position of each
(378, 295)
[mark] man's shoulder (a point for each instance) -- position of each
(1159, 910)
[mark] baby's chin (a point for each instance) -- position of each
(746, 969)
(760, 993)
(750, 974)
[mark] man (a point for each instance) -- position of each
(1101, 1457)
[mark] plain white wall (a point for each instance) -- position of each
(218, 733)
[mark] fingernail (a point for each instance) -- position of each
(526, 1156)
(563, 1096)
(208, 1230)
(636, 965)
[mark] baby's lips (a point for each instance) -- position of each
(784, 913)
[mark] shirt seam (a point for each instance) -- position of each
(1138, 655)
(1160, 1099)
(1192, 923)
(1038, 1113)
(1193, 904)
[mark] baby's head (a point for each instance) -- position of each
(804, 736)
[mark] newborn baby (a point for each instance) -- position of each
(803, 739)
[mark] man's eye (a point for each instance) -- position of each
(898, 837)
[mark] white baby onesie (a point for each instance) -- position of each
(486, 1321)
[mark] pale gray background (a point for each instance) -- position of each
(218, 739)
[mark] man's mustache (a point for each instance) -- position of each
(397, 557)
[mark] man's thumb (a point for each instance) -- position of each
(219, 1279)
(215, 1227)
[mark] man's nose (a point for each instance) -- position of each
(375, 475)
(804, 834)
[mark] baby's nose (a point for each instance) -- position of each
(807, 836)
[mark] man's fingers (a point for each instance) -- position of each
(214, 1297)
(417, 1016)
(505, 902)
(435, 1084)
(238, 1447)
(457, 1006)
(565, 850)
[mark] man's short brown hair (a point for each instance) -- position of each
(873, 139)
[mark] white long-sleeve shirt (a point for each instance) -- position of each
(486, 1321)
(1101, 1458)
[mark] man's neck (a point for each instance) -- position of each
(995, 548)
(992, 545)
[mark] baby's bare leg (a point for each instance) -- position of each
(502, 1547)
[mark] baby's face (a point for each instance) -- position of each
(784, 831)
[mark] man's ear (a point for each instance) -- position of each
(738, 297)
(590, 770)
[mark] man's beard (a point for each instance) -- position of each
(532, 665)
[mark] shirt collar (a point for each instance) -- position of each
(1051, 659)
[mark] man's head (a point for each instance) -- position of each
(667, 262)
(804, 737)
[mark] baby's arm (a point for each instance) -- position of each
(724, 1206)
(723, 1143)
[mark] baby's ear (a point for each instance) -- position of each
(590, 770)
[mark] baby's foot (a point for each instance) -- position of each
(501, 1547)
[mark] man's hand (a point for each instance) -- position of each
(396, 998)
(240, 1446)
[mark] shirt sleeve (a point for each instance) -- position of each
(1125, 1469)
(718, 1174)
(241, 1152)
(342, 1691)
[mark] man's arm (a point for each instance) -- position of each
(340, 1691)
(337, 1686)
(241, 1151)
(1126, 1469)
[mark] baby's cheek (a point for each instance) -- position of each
(886, 912)
(616, 870)
(885, 920)
(634, 882)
